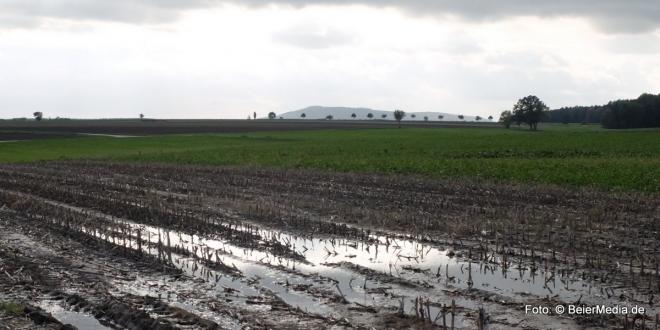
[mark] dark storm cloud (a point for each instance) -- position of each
(627, 16)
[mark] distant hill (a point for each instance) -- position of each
(343, 113)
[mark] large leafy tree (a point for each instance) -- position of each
(272, 115)
(529, 110)
(398, 115)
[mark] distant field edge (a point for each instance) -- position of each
(575, 157)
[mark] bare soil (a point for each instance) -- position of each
(30, 129)
(144, 246)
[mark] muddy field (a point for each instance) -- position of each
(97, 245)
(52, 128)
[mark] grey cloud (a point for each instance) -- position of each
(312, 36)
(633, 44)
(525, 59)
(461, 43)
(611, 16)
(22, 13)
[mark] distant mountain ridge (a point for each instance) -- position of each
(345, 113)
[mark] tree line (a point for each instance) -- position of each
(641, 112)
(579, 114)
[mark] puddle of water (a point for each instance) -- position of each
(351, 285)
(423, 263)
(262, 275)
(107, 135)
(403, 258)
(76, 319)
(411, 260)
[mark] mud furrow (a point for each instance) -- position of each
(386, 246)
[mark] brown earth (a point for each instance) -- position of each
(320, 244)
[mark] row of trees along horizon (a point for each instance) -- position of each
(273, 115)
(643, 112)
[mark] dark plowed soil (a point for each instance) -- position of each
(147, 127)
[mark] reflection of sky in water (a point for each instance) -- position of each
(392, 256)
(389, 256)
(76, 319)
(265, 276)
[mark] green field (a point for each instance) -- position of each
(565, 155)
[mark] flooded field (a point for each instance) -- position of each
(117, 246)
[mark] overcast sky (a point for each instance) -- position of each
(226, 59)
